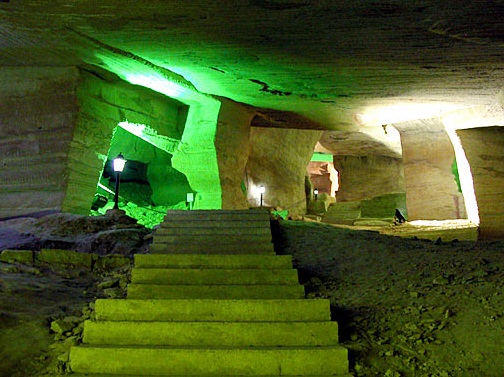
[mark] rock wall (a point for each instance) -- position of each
(233, 145)
(428, 155)
(278, 160)
(103, 102)
(323, 177)
(484, 148)
(364, 177)
(37, 116)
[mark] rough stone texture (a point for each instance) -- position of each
(233, 145)
(37, 116)
(104, 102)
(364, 177)
(384, 206)
(328, 60)
(278, 160)
(323, 177)
(348, 68)
(428, 155)
(484, 148)
(343, 213)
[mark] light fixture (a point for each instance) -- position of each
(262, 190)
(190, 200)
(315, 193)
(118, 164)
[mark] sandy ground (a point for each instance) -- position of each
(406, 307)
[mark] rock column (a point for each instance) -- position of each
(278, 160)
(484, 148)
(428, 156)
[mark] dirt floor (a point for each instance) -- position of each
(406, 307)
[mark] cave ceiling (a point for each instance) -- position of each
(330, 65)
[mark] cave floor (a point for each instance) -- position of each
(406, 306)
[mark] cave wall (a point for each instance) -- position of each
(365, 177)
(278, 160)
(428, 155)
(484, 148)
(103, 102)
(233, 145)
(38, 109)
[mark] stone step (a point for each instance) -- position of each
(220, 215)
(206, 310)
(213, 231)
(217, 361)
(265, 247)
(204, 375)
(211, 239)
(162, 276)
(226, 224)
(215, 261)
(232, 334)
(215, 292)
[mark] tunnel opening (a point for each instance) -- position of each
(149, 184)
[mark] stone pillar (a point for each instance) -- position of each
(428, 155)
(232, 142)
(484, 148)
(364, 177)
(278, 160)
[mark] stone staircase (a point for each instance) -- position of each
(212, 300)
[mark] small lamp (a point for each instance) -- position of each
(315, 193)
(118, 164)
(190, 199)
(262, 190)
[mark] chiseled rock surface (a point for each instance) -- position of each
(484, 148)
(278, 160)
(37, 114)
(428, 155)
(232, 142)
(365, 177)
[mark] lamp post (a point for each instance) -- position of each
(262, 190)
(315, 193)
(118, 163)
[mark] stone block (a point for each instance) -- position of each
(324, 361)
(228, 334)
(108, 262)
(193, 276)
(21, 256)
(212, 261)
(67, 257)
(384, 206)
(225, 310)
(236, 292)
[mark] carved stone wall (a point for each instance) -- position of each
(37, 116)
(103, 103)
(232, 142)
(364, 177)
(278, 160)
(428, 156)
(484, 148)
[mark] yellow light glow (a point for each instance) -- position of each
(402, 112)
(465, 176)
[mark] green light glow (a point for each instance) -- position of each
(159, 84)
(322, 157)
(195, 156)
(151, 136)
